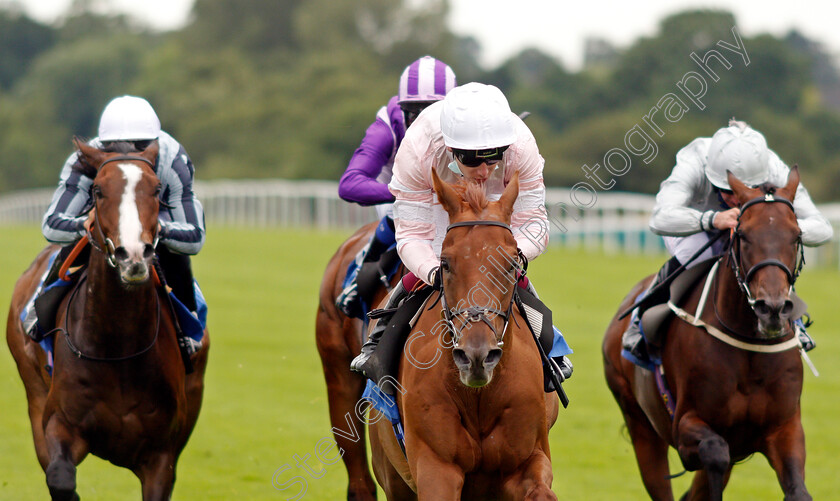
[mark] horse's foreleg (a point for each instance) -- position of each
(157, 476)
(65, 450)
(650, 449)
(344, 390)
(436, 479)
(701, 448)
(699, 489)
(785, 451)
(534, 481)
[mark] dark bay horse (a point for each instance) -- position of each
(118, 388)
(734, 394)
(339, 339)
(471, 396)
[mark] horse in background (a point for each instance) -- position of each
(118, 388)
(339, 338)
(471, 396)
(733, 394)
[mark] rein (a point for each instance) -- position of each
(79, 354)
(474, 314)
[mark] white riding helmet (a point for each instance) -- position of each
(476, 116)
(128, 118)
(741, 150)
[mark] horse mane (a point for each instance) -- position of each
(123, 147)
(472, 194)
(768, 188)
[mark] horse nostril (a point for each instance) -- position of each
(121, 254)
(492, 358)
(460, 357)
(787, 309)
(148, 251)
(761, 308)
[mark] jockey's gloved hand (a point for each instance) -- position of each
(435, 278)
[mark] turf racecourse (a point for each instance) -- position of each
(265, 402)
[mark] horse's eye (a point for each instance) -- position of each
(157, 190)
(444, 264)
(97, 191)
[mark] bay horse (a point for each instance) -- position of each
(475, 415)
(118, 388)
(339, 339)
(734, 394)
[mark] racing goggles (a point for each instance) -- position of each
(411, 110)
(474, 158)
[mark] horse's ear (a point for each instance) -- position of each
(509, 195)
(447, 195)
(90, 157)
(789, 190)
(151, 152)
(740, 189)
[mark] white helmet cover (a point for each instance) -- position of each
(476, 116)
(741, 150)
(128, 118)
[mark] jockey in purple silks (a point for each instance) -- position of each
(366, 179)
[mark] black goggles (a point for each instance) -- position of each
(474, 158)
(412, 110)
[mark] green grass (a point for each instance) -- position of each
(265, 399)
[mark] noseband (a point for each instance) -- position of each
(474, 314)
(735, 251)
(109, 248)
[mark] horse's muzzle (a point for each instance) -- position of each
(134, 270)
(476, 363)
(773, 315)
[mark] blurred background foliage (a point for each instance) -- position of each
(257, 89)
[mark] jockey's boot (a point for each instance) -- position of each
(349, 301)
(562, 365)
(632, 341)
(805, 339)
(394, 299)
(30, 317)
(177, 274)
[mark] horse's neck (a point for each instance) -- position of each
(730, 301)
(113, 311)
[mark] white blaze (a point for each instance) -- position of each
(130, 227)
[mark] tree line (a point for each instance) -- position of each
(286, 89)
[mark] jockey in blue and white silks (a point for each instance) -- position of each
(181, 218)
(129, 124)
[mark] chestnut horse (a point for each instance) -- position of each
(734, 394)
(339, 339)
(118, 388)
(471, 396)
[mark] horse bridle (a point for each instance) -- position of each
(735, 250)
(473, 314)
(80, 354)
(110, 250)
